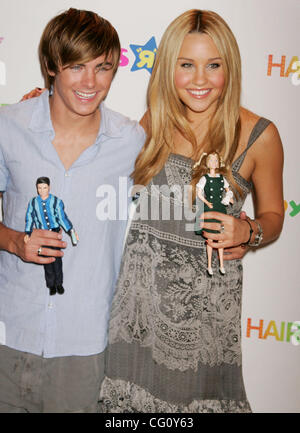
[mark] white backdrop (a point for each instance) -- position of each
(267, 32)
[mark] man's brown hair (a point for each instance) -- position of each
(76, 36)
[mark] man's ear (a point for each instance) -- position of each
(51, 73)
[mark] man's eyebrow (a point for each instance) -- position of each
(99, 64)
(104, 64)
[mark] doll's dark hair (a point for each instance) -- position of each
(43, 180)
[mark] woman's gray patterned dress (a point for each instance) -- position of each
(175, 333)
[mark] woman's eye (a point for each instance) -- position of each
(214, 65)
(186, 65)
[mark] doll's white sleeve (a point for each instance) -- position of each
(229, 194)
(226, 184)
(201, 183)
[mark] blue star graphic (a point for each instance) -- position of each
(144, 55)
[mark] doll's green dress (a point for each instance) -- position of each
(214, 192)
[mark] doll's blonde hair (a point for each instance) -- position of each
(202, 164)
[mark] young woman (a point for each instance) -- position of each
(175, 332)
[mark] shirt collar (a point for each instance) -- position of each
(47, 199)
(41, 119)
(108, 125)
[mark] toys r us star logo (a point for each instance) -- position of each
(144, 55)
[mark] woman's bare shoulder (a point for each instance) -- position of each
(269, 139)
(248, 122)
(248, 118)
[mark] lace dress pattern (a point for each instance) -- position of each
(175, 333)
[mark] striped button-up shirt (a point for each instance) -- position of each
(46, 214)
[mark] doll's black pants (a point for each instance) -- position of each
(54, 271)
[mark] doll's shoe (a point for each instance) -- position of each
(60, 290)
(222, 271)
(210, 272)
(52, 291)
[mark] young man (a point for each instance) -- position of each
(52, 355)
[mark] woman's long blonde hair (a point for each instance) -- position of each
(167, 113)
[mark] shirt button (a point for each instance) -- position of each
(50, 305)
(67, 174)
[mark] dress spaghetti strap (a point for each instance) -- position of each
(259, 127)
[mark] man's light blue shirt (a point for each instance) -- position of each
(95, 193)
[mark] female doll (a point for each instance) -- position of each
(210, 190)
